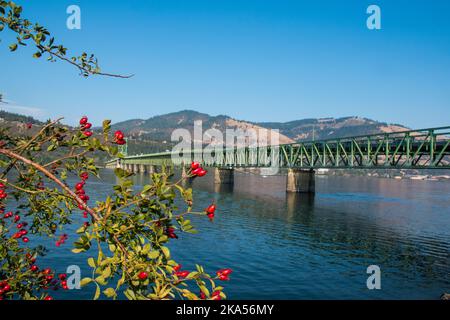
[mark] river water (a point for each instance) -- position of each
(293, 246)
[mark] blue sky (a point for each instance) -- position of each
(257, 60)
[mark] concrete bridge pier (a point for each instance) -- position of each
(150, 169)
(224, 176)
(142, 168)
(302, 181)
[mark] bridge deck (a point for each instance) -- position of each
(418, 149)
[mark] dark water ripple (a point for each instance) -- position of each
(301, 247)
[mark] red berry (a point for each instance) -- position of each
(6, 288)
(224, 277)
(119, 135)
(121, 142)
(211, 209)
(172, 235)
(47, 271)
(25, 239)
(195, 172)
(34, 268)
(182, 274)
(84, 176)
(87, 133)
(211, 216)
(195, 165)
(83, 120)
(79, 186)
(216, 295)
(16, 218)
(202, 173)
(62, 276)
(143, 275)
(48, 298)
(88, 125)
(202, 296)
(177, 268)
(226, 272)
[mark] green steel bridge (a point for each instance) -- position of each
(415, 149)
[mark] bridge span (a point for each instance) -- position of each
(415, 149)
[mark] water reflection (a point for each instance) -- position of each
(300, 203)
(306, 247)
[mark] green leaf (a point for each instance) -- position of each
(91, 262)
(97, 293)
(85, 281)
(129, 294)
(204, 290)
(106, 273)
(146, 248)
(153, 254)
(166, 252)
(110, 292)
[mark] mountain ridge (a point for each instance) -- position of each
(161, 126)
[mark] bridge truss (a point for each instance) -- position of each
(416, 149)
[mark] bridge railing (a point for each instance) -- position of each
(425, 148)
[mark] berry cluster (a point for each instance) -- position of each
(210, 211)
(224, 274)
(21, 226)
(4, 288)
(171, 233)
(3, 193)
(62, 239)
(63, 278)
(179, 273)
(182, 274)
(119, 138)
(197, 170)
(81, 193)
(85, 125)
(215, 295)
